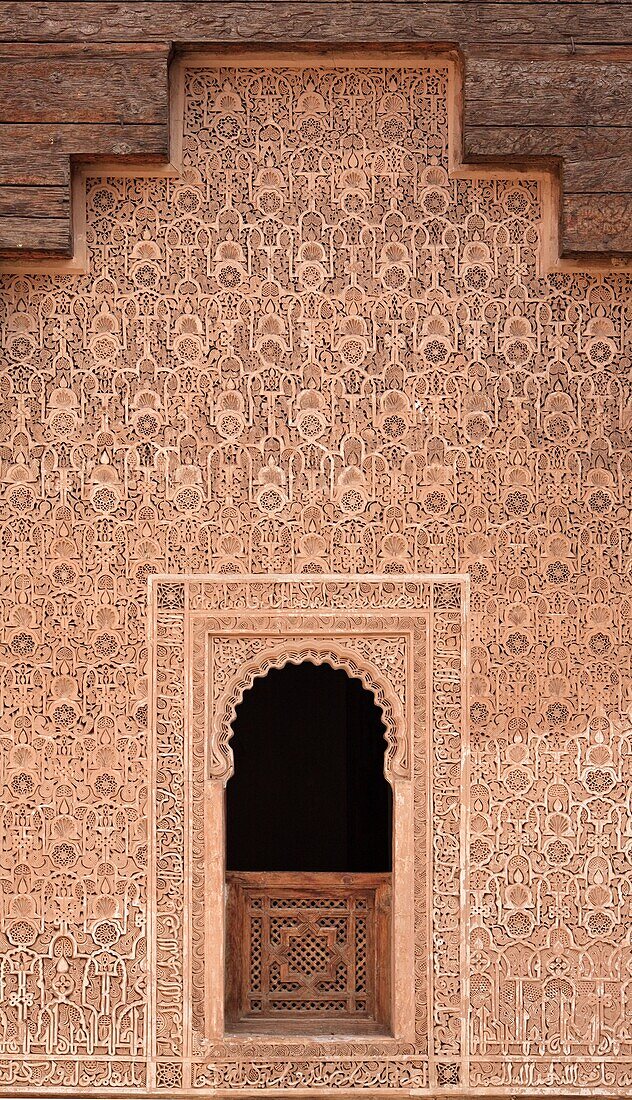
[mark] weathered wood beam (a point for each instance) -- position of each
(95, 91)
(331, 20)
(595, 158)
(542, 79)
(40, 237)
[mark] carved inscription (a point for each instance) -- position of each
(316, 352)
(378, 630)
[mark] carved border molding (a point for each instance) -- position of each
(404, 637)
(378, 661)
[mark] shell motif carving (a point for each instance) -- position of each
(318, 352)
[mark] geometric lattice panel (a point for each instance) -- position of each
(213, 636)
(308, 945)
(316, 351)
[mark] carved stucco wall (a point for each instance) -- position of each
(315, 353)
(404, 639)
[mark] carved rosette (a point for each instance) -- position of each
(316, 351)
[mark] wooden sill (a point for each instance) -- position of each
(323, 1028)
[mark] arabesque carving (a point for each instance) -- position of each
(317, 352)
(378, 629)
(237, 661)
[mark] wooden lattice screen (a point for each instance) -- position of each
(308, 949)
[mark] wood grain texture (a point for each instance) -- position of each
(542, 79)
(22, 165)
(73, 91)
(28, 236)
(597, 158)
(325, 20)
(548, 93)
(35, 202)
(606, 218)
(32, 142)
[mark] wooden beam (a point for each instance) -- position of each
(57, 91)
(324, 20)
(35, 201)
(28, 236)
(548, 93)
(543, 79)
(595, 158)
(597, 217)
(93, 139)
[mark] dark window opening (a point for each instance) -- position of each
(308, 791)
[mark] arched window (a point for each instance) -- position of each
(308, 824)
(308, 791)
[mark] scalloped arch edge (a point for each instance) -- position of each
(317, 654)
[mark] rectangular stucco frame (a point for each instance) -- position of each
(405, 638)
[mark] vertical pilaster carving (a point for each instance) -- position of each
(379, 631)
(315, 352)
